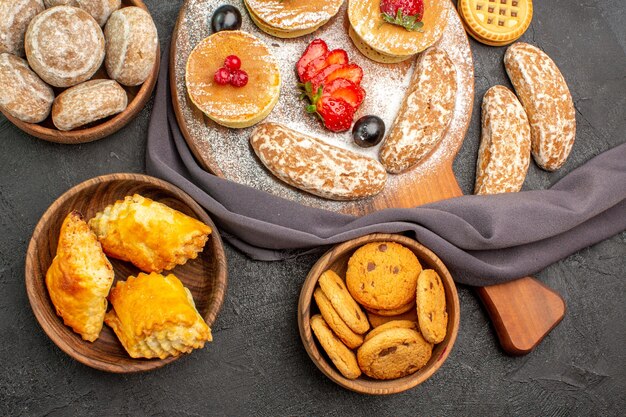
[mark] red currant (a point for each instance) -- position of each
(239, 78)
(223, 76)
(232, 62)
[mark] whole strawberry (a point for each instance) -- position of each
(405, 13)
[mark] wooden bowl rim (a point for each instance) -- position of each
(221, 277)
(372, 386)
(110, 125)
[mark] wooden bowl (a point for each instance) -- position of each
(205, 276)
(138, 96)
(337, 260)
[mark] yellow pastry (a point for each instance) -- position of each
(496, 22)
(291, 18)
(234, 107)
(388, 43)
(154, 316)
(79, 278)
(149, 234)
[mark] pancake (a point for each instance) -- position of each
(235, 107)
(291, 18)
(393, 43)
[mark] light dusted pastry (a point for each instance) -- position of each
(100, 9)
(315, 166)
(154, 316)
(425, 114)
(79, 278)
(64, 46)
(87, 102)
(15, 17)
(504, 153)
(23, 94)
(131, 45)
(53, 3)
(149, 234)
(543, 92)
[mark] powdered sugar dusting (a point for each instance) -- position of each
(316, 166)
(294, 14)
(547, 101)
(504, 152)
(227, 151)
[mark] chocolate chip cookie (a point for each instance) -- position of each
(394, 324)
(394, 312)
(377, 320)
(394, 353)
(431, 306)
(335, 290)
(341, 329)
(343, 358)
(383, 275)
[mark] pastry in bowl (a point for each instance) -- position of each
(291, 18)
(154, 316)
(149, 234)
(391, 31)
(214, 88)
(64, 46)
(79, 278)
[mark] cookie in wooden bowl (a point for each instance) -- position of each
(395, 356)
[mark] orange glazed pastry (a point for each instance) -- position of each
(155, 317)
(149, 234)
(79, 278)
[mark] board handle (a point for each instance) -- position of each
(523, 312)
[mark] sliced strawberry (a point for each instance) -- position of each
(313, 68)
(320, 78)
(336, 113)
(335, 57)
(351, 72)
(335, 84)
(346, 90)
(316, 49)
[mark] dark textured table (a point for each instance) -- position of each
(257, 365)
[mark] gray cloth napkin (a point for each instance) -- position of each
(482, 239)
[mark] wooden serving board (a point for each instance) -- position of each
(518, 309)
(227, 153)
